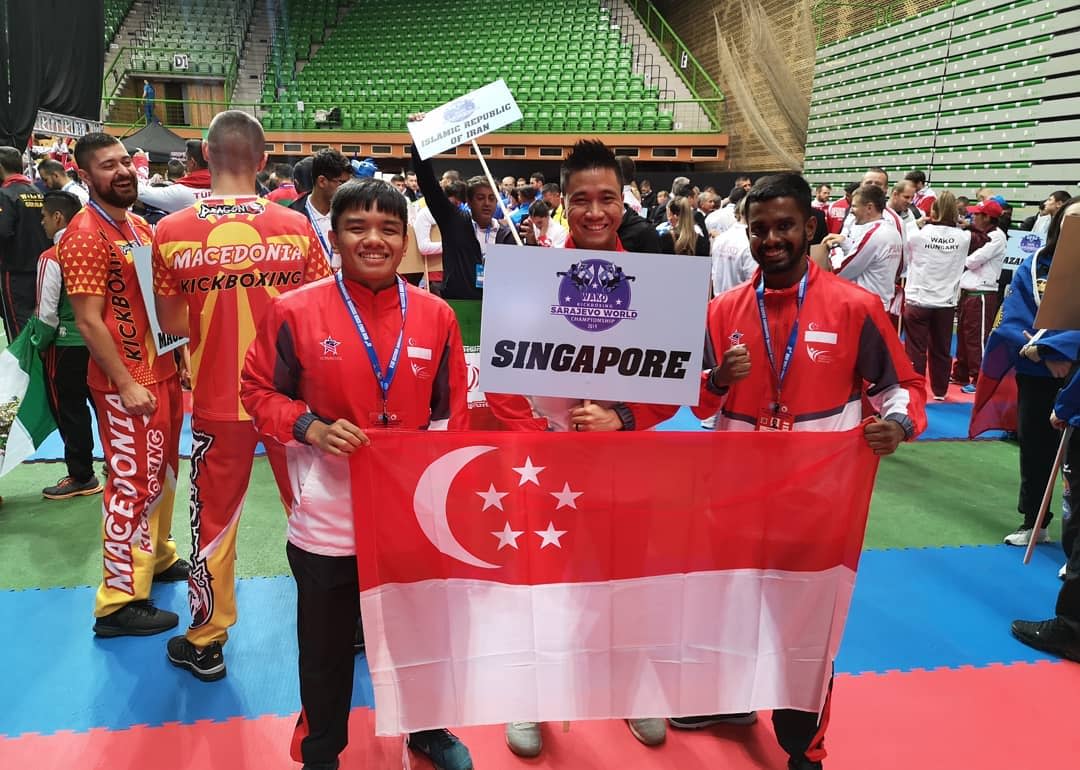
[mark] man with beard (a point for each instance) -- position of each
(22, 240)
(217, 266)
(782, 353)
(136, 393)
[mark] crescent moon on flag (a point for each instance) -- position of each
(429, 503)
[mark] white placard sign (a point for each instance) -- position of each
(144, 269)
(1021, 245)
(476, 113)
(614, 326)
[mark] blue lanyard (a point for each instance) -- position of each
(384, 380)
(793, 338)
(312, 215)
(116, 226)
(487, 233)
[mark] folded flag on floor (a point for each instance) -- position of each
(552, 576)
(25, 418)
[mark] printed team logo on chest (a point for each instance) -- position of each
(419, 359)
(820, 344)
(330, 349)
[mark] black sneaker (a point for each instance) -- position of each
(207, 664)
(443, 748)
(177, 572)
(139, 618)
(710, 720)
(1055, 636)
(69, 487)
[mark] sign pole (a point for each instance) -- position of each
(1065, 436)
(495, 189)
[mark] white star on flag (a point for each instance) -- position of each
(566, 498)
(529, 473)
(492, 498)
(550, 536)
(507, 537)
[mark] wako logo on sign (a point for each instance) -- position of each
(594, 295)
(1030, 244)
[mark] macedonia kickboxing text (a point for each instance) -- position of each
(588, 359)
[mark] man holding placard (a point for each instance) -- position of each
(136, 392)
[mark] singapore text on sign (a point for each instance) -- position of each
(593, 324)
(476, 113)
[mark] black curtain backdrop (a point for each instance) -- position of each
(52, 57)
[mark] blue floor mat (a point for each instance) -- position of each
(919, 608)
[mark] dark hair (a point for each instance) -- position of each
(742, 177)
(851, 187)
(626, 168)
(588, 154)
(537, 176)
(1060, 195)
(63, 202)
(330, 164)
(368, 194)
(917, 177)
(457, 190)
(283, 171)
(539, 209)
(302, 175)
(175, 170)
(737, 195)
(87, 145)
(49, 166)
(822, 186)
(397, 178)
(550, 187)
(526, 193)
(773, 186)
(476, 183)
(1054, 232)
(11, 160)
(193, 150)
(871, 193)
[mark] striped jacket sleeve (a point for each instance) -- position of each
(896, 392)
(270, 380)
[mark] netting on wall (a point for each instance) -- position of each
(837, 19)
(761, 64)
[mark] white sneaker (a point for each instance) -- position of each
(523, 738)
(1022, 536)
(709, 423)
(1061, 572)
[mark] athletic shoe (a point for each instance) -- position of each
(651, 732)
(524, 739)
(969, 388)
(939, 398)
(1022, 536)
(177, 572)
(443, 748)
(69, 487)
(1062, 571)
(207, 664)
(1055, 636)
(139, 618)
(709, 423)
(698, 723)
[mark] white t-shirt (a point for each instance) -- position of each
(937, 254)
(630, 199)
(732, 262)
(982, 268)
(720, 221)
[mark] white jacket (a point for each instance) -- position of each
(937, 254)
(870, 257)
(983, 266)
(732, 262)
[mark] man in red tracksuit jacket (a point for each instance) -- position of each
(793, 350)
(332, 362)
(592, 188)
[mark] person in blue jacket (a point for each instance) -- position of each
(1060, 635)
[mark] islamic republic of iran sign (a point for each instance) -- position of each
(591, 324)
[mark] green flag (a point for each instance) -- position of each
(25, 418)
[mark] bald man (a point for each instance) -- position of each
(217, 266)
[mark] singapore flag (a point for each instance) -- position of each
(560, 576)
